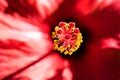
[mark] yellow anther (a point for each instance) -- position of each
(55, 44)
(70, 52)
(56, 28)
(66, 27)
(75, 48)
(55, 41)
(53, 34)
(66, 52)
(61, 49)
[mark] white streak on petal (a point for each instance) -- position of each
(110, 43)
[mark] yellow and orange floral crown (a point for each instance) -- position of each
(67, 38)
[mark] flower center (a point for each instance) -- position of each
(67, 38)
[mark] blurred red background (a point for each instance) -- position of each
(26, 47)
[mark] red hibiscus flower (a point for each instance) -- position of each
(26, 46)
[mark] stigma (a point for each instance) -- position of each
(67, 38)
